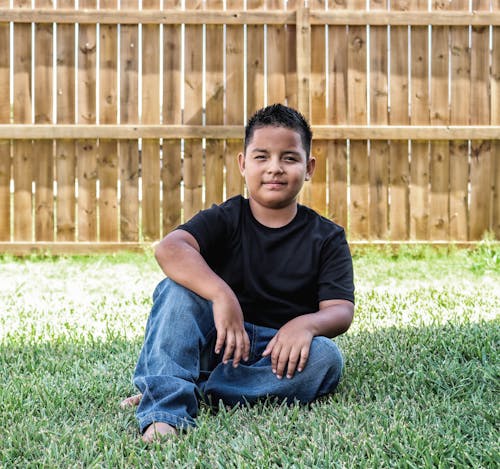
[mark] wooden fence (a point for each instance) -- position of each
(118, 123)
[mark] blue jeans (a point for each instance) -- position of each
(178, 366)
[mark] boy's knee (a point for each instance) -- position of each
(329, 359)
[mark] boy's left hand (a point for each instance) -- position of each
(289, 348)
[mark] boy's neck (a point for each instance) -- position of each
(273, 217)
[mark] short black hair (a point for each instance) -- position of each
(278, 115)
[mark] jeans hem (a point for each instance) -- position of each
(165, 417)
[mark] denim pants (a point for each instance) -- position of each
(178, 366)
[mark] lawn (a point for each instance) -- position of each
(420, 389)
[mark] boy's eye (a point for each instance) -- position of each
(290, 158)
(260, 157)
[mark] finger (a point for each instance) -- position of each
(275, 354)
(230, 344)
(304, 355)
(282, 362)
(238, 350)
(221, 338)
(292, 363)
(269, 347)
(246, 346)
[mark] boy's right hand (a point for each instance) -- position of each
(231, 333)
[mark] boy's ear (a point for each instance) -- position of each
(241, 163)
(311, 165)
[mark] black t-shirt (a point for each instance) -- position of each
(276, 273)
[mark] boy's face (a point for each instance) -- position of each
(275, 166)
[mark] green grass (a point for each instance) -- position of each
(420, 388)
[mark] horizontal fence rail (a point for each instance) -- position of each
(117, 124)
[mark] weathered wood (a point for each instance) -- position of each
(481, 169)
(398, 151)
(379, 150)
(420, 115)
(150, 156)
(214, 152)
(235, 64)
(5, 156)
(128, 150)
(358, 155)
(317, 92)
(291, 57)
(303, 52)
(255, 62)
(439, 221)
(107, 163)
(495, 120)
(22, 150)
(276, 59)
(239, 17)
(321, 132)
(86, 149)
(337, 114)
(65, 149)
(43, 164)
(193, 82)
(459, 114)
(171, 160)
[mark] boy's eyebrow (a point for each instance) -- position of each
(263, 150)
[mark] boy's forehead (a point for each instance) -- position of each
(273, 136)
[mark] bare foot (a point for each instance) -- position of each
(131, 401)
(157, 430)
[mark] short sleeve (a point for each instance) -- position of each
(336, 279)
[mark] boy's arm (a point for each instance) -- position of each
(289, 348)
(178, 255)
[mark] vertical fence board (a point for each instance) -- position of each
(459, 115)
(379, 149)
(65, 149)
(337, 114)
(398, 151)
(495, 120)
(480, 168)
(235, 61)
(193, 153)
(419, 166)
(44, 174)
(150, 115)
(214, 154)
(276, 59)
(22, 149)
(128, 150)
(86, 150)
(107, 164)
(171, 164)
(318, 112)
(5, 160)
(358, 157)
(440, 152)
(291, 59)
(255, 62)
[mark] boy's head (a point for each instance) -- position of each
(277, 115)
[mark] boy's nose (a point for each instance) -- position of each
(274, 166)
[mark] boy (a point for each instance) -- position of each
(256, 289)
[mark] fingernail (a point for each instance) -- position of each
(289, 376)
(274, 371)
(278, 376)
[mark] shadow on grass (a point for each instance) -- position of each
(404, 392)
